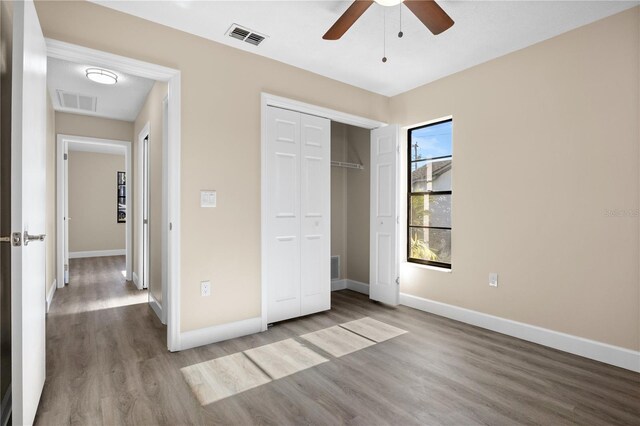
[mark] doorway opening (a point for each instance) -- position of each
(146, 194)
(90, 223)
(350, 207)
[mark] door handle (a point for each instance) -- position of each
(28, 238)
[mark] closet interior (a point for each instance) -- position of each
(350, 205)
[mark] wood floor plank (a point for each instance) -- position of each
(284, 358)
(337, 341)
(107, 363)
(220, 378)
(373, 329)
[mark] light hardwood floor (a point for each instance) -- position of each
(107, 363)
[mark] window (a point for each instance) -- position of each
(429, 194)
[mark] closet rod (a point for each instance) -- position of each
(347, 165)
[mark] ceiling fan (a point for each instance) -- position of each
(427, 11)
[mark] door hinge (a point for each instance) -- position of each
(398, 280)
(15, 239)
(66, 156)
(170, 226)
(66, 267)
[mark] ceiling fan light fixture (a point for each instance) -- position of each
(101, 76)
(388, 2)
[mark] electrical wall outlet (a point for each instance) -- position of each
(205, 288)
(493, 279)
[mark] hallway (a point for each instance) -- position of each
(107, 363)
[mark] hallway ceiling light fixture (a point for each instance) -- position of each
(388, 2)
(102, 76)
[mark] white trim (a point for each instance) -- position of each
(609, 354)
(218, 333)
(267, 100)
(83, 55)
(331, 114)
(60, 211)
(358, 286)
(338, 285)
(50, 294)
(96, 253)
(164, 219)
(79, 54)
(135, 280)
(157, 308)
(139, 215)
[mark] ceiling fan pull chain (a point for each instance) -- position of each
(384, 35)
(400, 34)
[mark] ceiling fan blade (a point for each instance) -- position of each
(431, 15)
(348, 18)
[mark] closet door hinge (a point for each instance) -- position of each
(398, 280)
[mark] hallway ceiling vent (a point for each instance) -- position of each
(245, 34)
(77, 101)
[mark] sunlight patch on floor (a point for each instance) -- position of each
(214, 380)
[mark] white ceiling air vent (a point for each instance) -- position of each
(77, 101)
(245, 34)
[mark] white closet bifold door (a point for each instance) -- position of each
(298, 214)
(283, 214)
(316, 213)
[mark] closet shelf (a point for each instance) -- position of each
(347, 165)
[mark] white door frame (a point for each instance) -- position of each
(75, 53)
(269, 100)
(141, 193)
(62, 187)
(165, 214)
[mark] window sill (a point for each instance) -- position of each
(434, 268)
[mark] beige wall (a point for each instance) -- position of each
(51, 197)
(545, 144)
(339, 196)
(220, 144)
(93, 127)
(358, 206)
(93, 202)
(151, 113)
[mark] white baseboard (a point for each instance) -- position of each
(96, 253)
(358, 286)
(603, 352)
(218, 333)
(338, 285)
(136, 281)
(351, 285)
(50, 294)
(157, 308)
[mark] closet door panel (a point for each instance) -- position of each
(315, 214)
(283, 214)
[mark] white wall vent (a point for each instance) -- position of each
(335, 267)
(245, 34)
(69, 100)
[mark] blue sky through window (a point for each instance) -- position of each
(431, 142)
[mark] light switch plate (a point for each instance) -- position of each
(493, 279)
(205, 288)
(208, 198)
